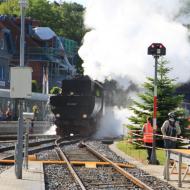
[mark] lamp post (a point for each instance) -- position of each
(156, 50)
(19, 145)
(23, 5)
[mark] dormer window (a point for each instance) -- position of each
(2, 44)
(2, 72)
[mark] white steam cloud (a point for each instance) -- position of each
(121, 32)
(112, 124)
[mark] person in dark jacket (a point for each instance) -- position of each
(170, 128)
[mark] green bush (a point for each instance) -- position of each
(55, 90)
(35, 86)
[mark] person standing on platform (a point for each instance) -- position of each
(8, 114)
(148, 136)
(170, 128)
(35, 110)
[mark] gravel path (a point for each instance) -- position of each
(149, 180)
(104, 178)
(47, 155)
(58, 177)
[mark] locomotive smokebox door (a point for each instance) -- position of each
(156, 49)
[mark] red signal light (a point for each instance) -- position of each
(156, 49)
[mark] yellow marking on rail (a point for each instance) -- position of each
(87, 164)
(90, 164)
(7, 161)
(32, 157)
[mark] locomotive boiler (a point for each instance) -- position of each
(79, 107)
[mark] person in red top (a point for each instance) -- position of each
(148, 136)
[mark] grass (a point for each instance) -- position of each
(139, 153)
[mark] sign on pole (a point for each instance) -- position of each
(21, 82)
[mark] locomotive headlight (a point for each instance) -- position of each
(84, 116)
(57, 115)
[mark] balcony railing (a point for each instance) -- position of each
(41, 54)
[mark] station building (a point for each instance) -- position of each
(51, 57)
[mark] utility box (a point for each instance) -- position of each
(21, 82)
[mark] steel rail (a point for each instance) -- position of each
(119, 169)
(31, 150)
(31, 144)
(74, 174)
(32, 136)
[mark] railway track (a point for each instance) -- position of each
(113, 175)
(13, 137)
(35, 145)
(97, 171)
(149, 180)
(70, 164)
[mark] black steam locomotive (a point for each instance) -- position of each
(79, 107)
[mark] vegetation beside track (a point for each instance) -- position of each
(139, 153)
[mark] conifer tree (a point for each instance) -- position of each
(168, 101)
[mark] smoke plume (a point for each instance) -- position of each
(112, 124)
(121, 31)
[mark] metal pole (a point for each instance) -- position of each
(26, 151)
(153, 155)
(19, 155)
(22, 36)
(167, 165)
(179, 165)
(26, 145)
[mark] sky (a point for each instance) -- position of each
(82, 2)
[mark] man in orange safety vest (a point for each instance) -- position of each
(148, 136)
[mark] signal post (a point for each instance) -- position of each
(156, 50)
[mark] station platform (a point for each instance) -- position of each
(33, 178)
(11, 127)
(154, 170)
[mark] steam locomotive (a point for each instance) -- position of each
(79, 107)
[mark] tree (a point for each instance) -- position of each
(72, 21)
(167, 100)
(55, 90)
(42, 10)
(66, 19)
(10, 7)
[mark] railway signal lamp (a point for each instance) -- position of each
(156, 50)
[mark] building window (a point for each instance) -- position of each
(2, 44)
(2, 71)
